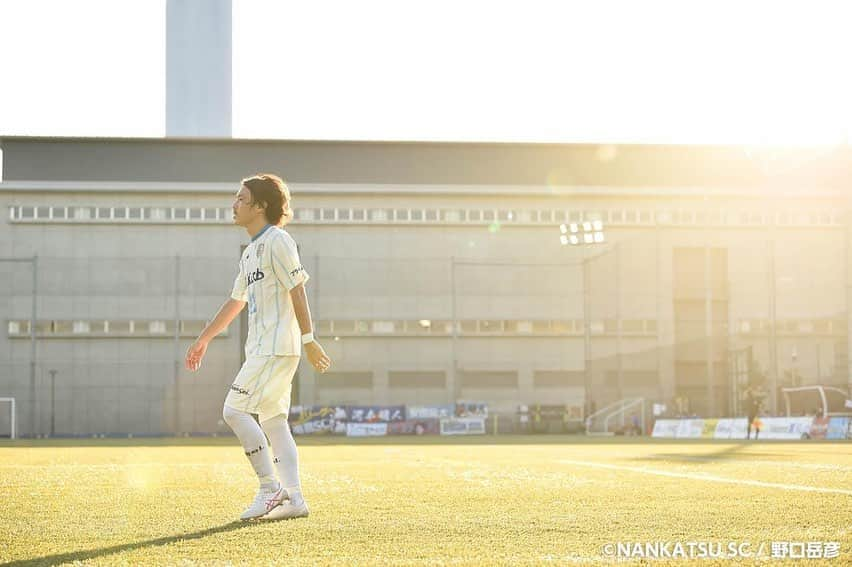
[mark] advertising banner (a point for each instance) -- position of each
(690, 428)
(429, 412)
(838, 428)
(366, 429)
(731, 428)
(375, 414)
(425, 426)
(471, 409)
(786, 427)
(312, 420)
(665, 428)
(463, 426)
(709, 429)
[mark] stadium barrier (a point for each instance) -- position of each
(776, 428)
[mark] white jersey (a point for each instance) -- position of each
(269, 269)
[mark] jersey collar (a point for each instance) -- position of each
(262, 231)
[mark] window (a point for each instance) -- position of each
(453, 216)
(401, 214)
(305, 214)
(210, 213)
(359, 214)
(541, 326)
(417, 215)
(104, 213)
(344, 214)
(468, 326)
(119, 212)
(158, 213)
(179, 213)
(383, 327)
(474, 216)
(81, 327)
(195, 213)
(327, 214)
(157, 327)
(379, 215)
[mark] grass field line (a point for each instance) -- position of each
(707, 477)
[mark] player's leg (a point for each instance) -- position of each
(273, 420)
(239, 406)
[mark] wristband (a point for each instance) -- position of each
(307, 338)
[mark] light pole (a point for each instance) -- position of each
(52, 403)
(586, 234)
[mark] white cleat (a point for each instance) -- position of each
(266, 500)
(287, 511)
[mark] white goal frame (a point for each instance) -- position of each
(13, 417)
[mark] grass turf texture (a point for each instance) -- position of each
(483, 500)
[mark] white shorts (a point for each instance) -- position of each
(263, 386)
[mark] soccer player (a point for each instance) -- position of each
(271, 280)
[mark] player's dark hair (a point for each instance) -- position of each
(270, 192)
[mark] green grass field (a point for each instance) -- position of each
(417, 501)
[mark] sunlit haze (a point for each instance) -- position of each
(533, 71)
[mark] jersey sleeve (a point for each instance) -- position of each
(286, 263)
(239, 290)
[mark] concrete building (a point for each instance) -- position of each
(437, 274)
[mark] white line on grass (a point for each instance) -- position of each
(711, 478)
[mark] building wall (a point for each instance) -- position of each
(516, 293)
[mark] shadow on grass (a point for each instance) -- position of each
(727, 453)
(91, 554)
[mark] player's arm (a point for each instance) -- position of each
(292, 275)
(316, 355)
(229, 310)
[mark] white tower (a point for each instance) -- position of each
(198, 68)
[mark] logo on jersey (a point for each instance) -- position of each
(296, 271)
(260, 249)
(255, 276)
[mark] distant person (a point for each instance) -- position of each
(271, 281)
(752, 406)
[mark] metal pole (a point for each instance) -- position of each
(587, 335)
(33, 352)
(618, 359)
(177, 347)
(453, 374)
(773, 342)
(52, 403)
(708, 326)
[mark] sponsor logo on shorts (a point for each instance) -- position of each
(239, 390)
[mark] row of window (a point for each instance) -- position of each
(214, 215)
(102, 327)
(338, 327)
(484, 327)
(793, 326)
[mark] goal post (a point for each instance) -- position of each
(12, 417)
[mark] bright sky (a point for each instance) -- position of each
(655, 71)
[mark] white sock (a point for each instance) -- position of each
(286, 457)
(254, 444)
